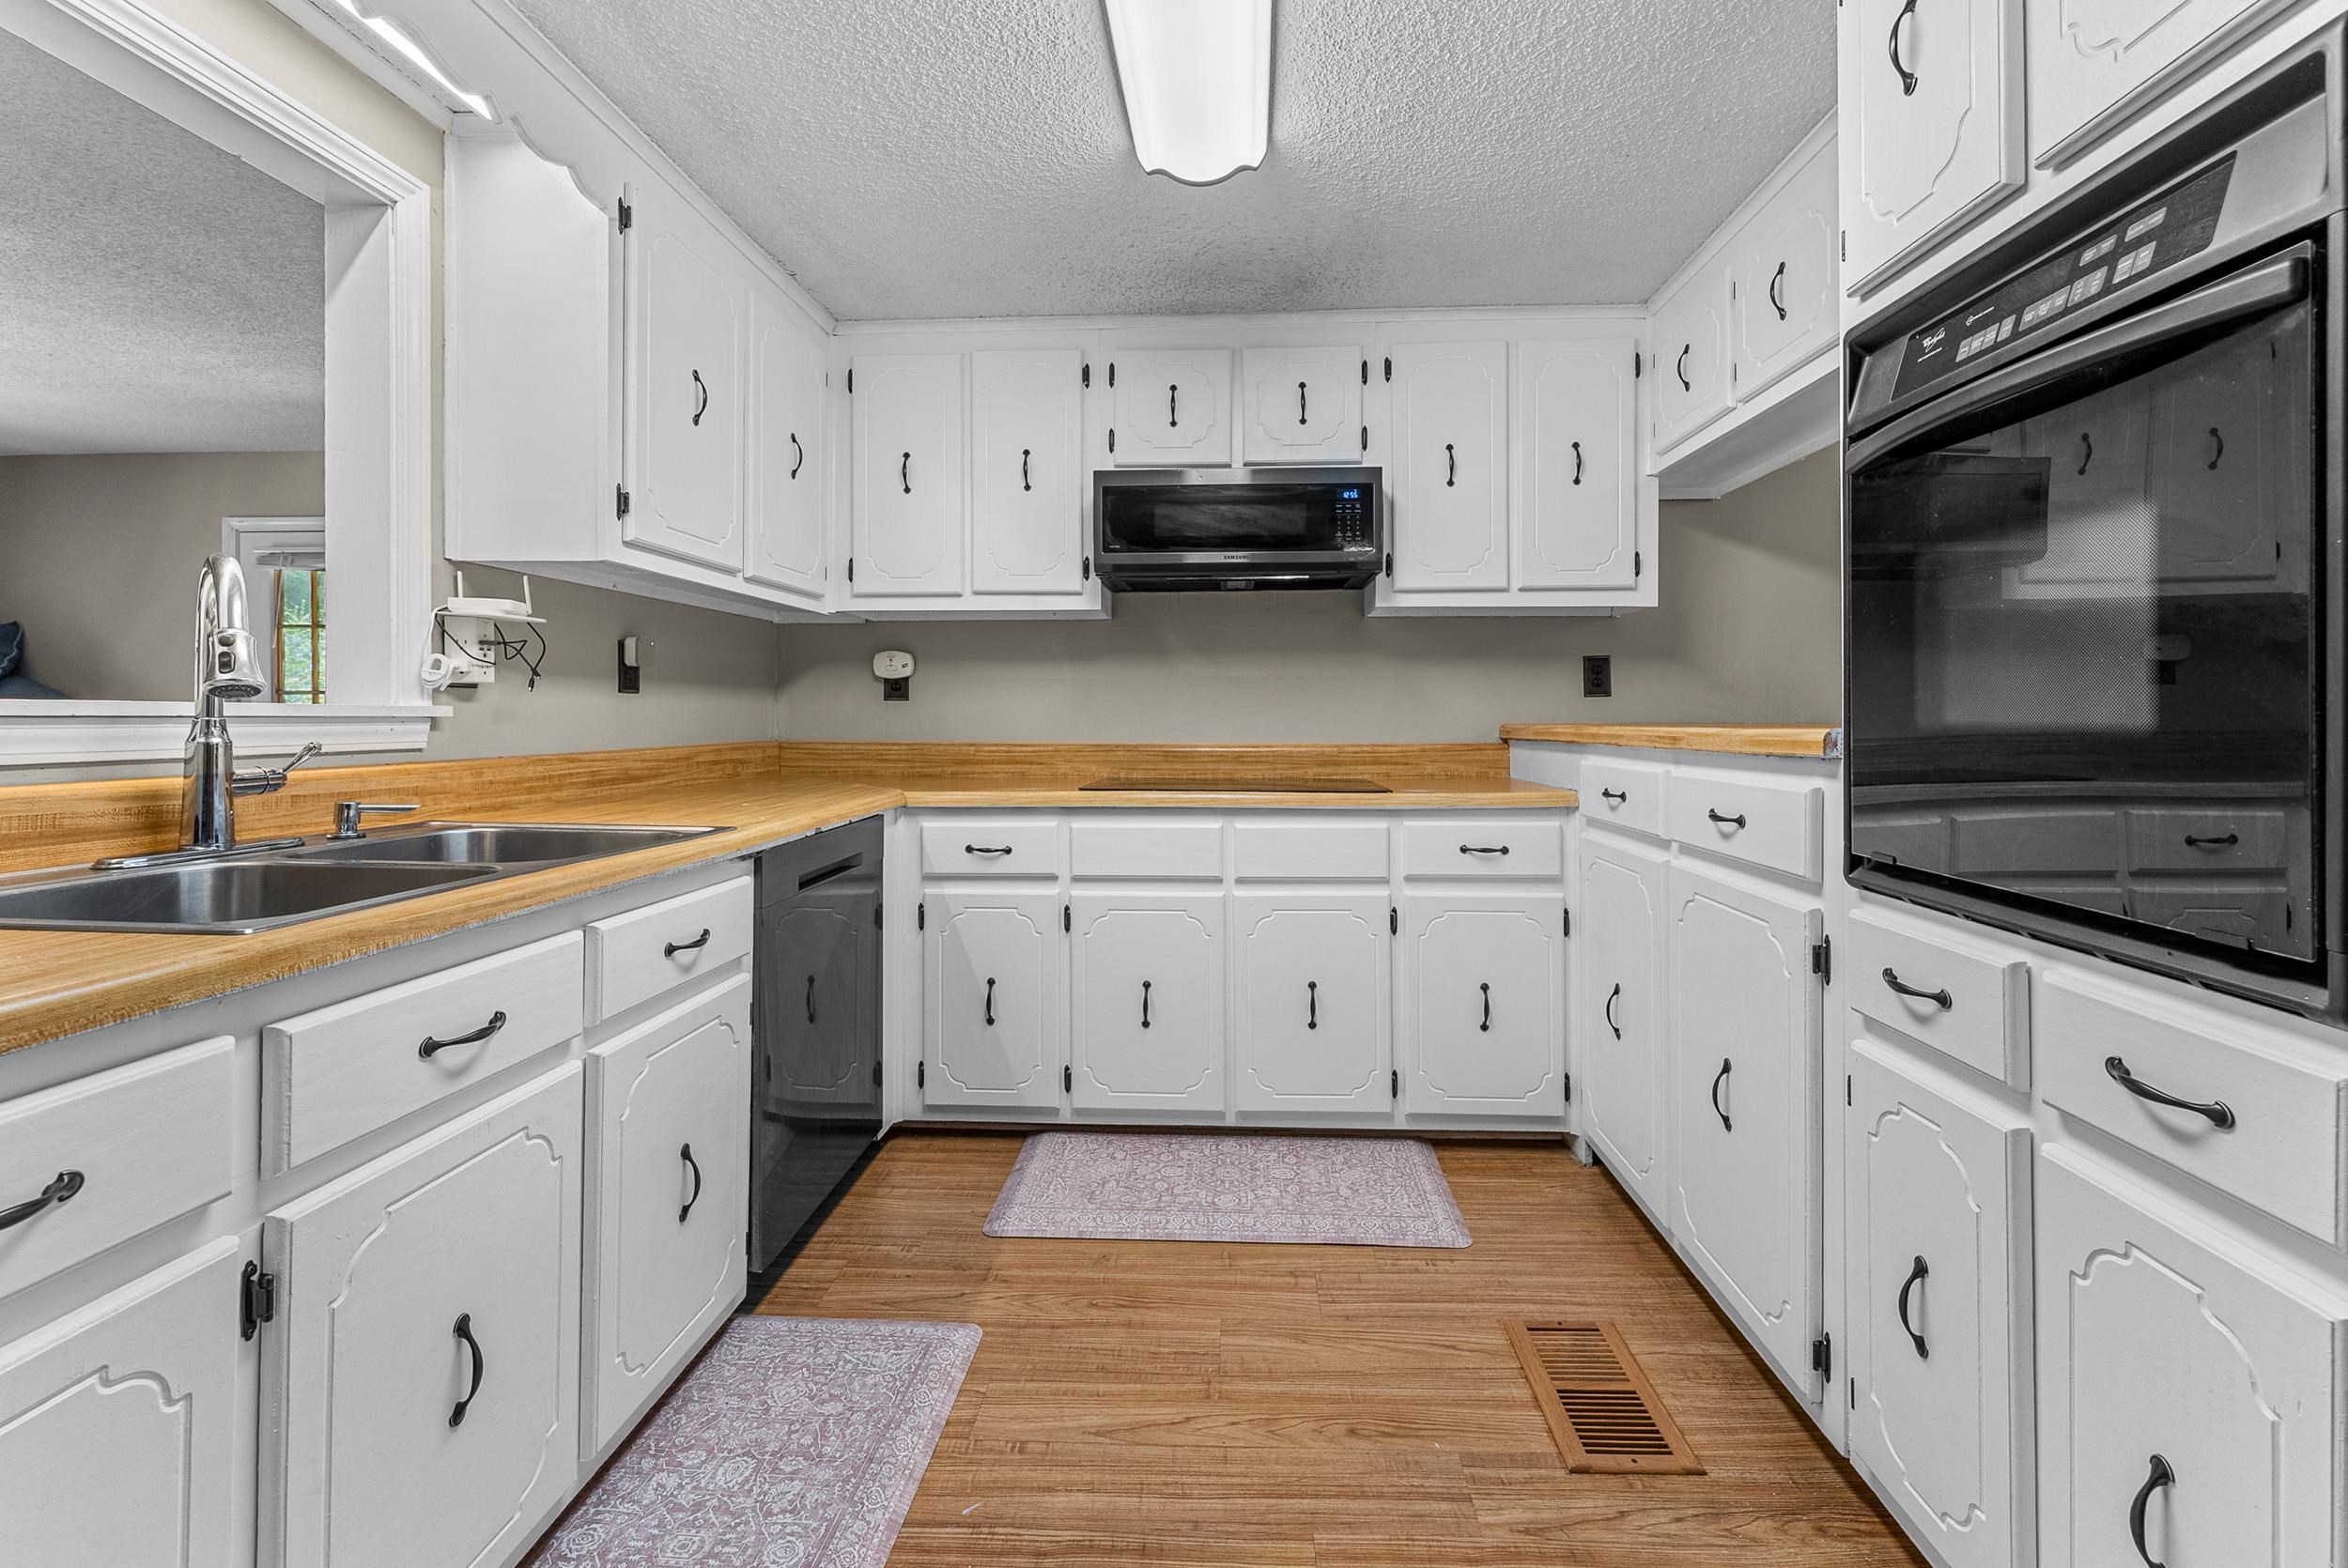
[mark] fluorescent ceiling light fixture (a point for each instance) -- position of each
(415, 54)
(1196, 76)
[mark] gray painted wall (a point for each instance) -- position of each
(1748, 631)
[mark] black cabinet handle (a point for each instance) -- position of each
(1577, 461)
(1776, 279)
(1718, 1078)
(1300, 402)
(2087, 442)
(1173, 420)
(464, 1332)
(1738, 819)
(1923, 1352)
(987, 849)
(432, 1046)
(990, 1001)
(2161, 1475)
(811, 998)
(59, 1190)
(2224, 840)
(1486, 1026)
(671, 949)
(904, 472)
(702, 407)
(1679, 367)
(2217, 448)
(686, 1154)
(1451, 464)
(1024, 452)
(1483, 849)
(2220, 1115)
(1941, 998)
(1145, 1003)
(1612, 997)
(1613, 794)
(799, 454)
(1312, 1004)
(1907, 77)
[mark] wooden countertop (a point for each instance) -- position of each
(58, 983)
(1739, 740)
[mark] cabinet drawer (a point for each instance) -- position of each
(1147, 849)
(2187, 838)
(1767, 822)
(1279, 850)
(633, 957)
(1976, 1010)
(1623, 794)
(1474, 846)
(982, 847)
(331, 1075)
(125, 1149)
(2284, 1098)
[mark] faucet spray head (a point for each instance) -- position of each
(226, 667)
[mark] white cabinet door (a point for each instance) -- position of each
(685, 379)
(1147, 969)
(2096, 63)
(1482, 1001)
(1170, 409)
(2095, 490)
(907, 475)
(668, 1185)
(1619, 1015)
(2182, 1372)
(1446, 472)
(1577, 454)
(1938, 1327)
(1931, 124)
(1026, 470)
(1786, 303)
(1302, 406)
(420, 1397)
(786, 451)
(994, 1003)
(1312, 1009)
(1691, 354)
(119, 1442)
(1745, 1042)
(2225, 434)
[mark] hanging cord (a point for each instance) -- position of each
(498, 645)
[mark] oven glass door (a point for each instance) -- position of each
(2085, 669)
(1231, 519)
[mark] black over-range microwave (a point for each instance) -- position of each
(2094, 560)
(1214, 529)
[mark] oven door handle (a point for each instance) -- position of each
(2259, 289)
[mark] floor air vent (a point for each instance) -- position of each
(1601, 1407)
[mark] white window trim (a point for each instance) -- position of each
(379, 397)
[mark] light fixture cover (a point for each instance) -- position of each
(1196, 76)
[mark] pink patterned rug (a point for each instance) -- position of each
(797, 1441)
(1229, 1187)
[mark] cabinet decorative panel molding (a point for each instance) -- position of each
(1577, 488)
(2094, 63)
(1312, 1002)
(1448, 488)
(686, 490)
(1147, 972)
(1171, 407)
(1482, 998)
(909, 506)
(994, 990)
(1618, 1017)
(788, 495)
(1691, 354)
(1303, 405)
(1786, 305)
(1027, 472)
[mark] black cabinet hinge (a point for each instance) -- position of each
(1822, 1355)
(1394, 1084)
(1638, 563)
(1087, 568)
(876, 1075)
(1068, 917)
(852, 380)
(1568, 921)
(920, 1075)
(1088, 375)
(257, 1300)
(1112, 372)
(1638, 364)
(921, 916)
(1390, 564)
(1364, 437)
(1390, 367)
(1112, 438)
(1822, 960)
(1846, 1090)
(622, 491)
(1854, 1393)
(1067, 1079)
(1365, 373)
(1568, 1085)
(878, 907)
(1394, 920)
(627, 215)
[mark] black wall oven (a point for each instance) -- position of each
(2094, 564)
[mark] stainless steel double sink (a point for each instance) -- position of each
(258, 890)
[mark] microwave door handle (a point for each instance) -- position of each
(2254, 292)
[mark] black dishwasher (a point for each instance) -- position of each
(816, 1090)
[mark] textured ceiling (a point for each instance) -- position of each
(970, 157)
(155, 293)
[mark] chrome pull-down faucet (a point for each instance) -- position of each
(226, 671)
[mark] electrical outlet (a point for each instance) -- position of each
(631, 667)
(897, 689)
(1597, 675)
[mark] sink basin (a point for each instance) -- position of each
(512, 845)
(226, 897)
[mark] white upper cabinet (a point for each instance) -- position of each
(1785, 307)
(787, 468)
(1171, 408)
(1932, 124)
(2094, 63)
(688, 309)
(1446, 467)
(1302, 406)
(909, 506)
(1027, 472)
(1577, 488)
(1691, 354)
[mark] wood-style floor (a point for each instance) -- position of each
(1174, 1403)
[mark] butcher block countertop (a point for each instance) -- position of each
(1737, 739)
(58, 983)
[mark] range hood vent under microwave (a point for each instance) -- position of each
(1166, 530)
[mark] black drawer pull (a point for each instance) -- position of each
(811, 998)
(1145, 1003)
(669, 950)
(1777, 281)
(1907, 77)
(1941, 998)
(1312, 1004)
(693, 1166)
(2223, 841)
(1923, 1352)
(990, 1001)
(1483, 849)
(987, 849)
(2161, 1475)
(1718, 1078)
(700, 388)
(1613, 794)
(2220, 1115)
(1738, 819)
(1577, 461)
(431, 1047)
(1451, 465)
(799, 454)
(904, 472)
(1486, 1027)
(1612, 997)
(1300, 402)
(62, 1188)
(464, 1332)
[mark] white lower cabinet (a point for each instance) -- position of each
(119, 1442)
(667, 1186)
(1146, 977)
(419, 1398)
(1311, 1014)
(1937, 1275)
(1618, 1017)
(1745, 1164)
(2189, 1390)
(1482, 1004)
(995, 993)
